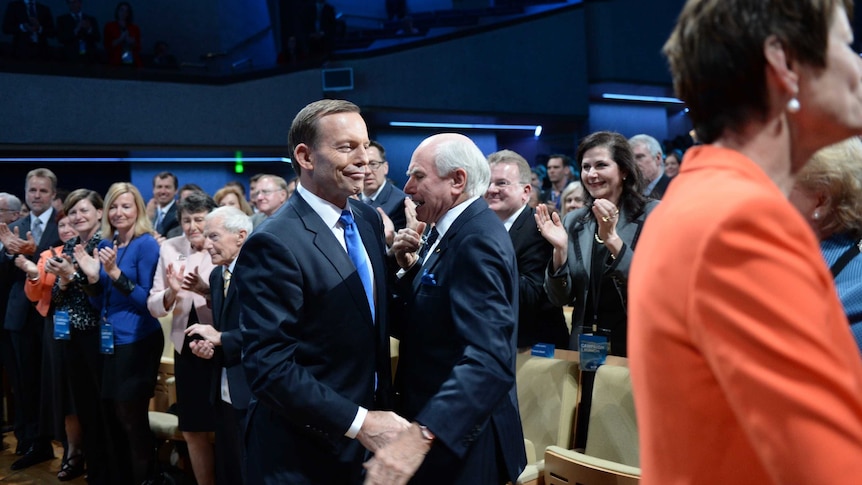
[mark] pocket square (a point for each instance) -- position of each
(428, 279)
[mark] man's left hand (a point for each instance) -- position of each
(397, 462)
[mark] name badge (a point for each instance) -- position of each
(593, 351)
(61, 325)
(106, 331)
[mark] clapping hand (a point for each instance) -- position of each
(14, 244)
(89, 264)
(194, 282)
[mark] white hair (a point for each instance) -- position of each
(461, 152)
(651, 143)
(233, 219)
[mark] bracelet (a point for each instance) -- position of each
(598, 239)
(33, 279)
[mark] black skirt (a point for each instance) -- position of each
(194, 383)
(131, 371)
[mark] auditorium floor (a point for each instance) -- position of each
(45, 472)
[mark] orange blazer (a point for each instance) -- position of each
(39, 291)
(742, 362)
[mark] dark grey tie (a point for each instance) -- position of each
(428, 240)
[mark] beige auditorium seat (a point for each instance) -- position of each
(547, 397)
(612, 454)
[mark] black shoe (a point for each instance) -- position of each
(71, 468)
(35, 454)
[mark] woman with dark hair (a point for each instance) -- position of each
(120, 274)
(750, 347)
(672, 162)
(181, 289)
(123, 38)
(594, 245)
(57, 411)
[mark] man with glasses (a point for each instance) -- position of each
(507, 196)
(270, 193)
(379, 192)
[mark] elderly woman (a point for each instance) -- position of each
(751, 348)
(181, 289)
(573, 198)
(120, 274)
(828, 193)
(594, 245)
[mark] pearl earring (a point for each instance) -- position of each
(816, 215)
(793, 105)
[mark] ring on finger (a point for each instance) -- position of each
(606, 218)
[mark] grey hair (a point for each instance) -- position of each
(233, 219)
(651, 143)
(463, 153)
(12, 202)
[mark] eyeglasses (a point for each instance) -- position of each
(264, 192)
(503, 184)
(375, 165)
(8, 210)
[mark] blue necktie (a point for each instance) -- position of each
(354, 250)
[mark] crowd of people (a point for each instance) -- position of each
(281, 325)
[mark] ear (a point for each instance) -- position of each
(780, 66)
(528, 189)
(302, 156)
(459, 181)
(241, 235)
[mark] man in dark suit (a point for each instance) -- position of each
(23, 322)
(79, 34)
(378, 191)
(313, 314)
(10, 211)
(164, 215)
(507, 196)
(649, 156)
(225, 230)
(30, 24)
(456, 370)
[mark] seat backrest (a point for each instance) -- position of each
(568, 467)
(613, 431)
(547, 396)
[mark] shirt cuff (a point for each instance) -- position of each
(357, 423)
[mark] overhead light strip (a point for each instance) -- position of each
(646, 99)
(465, 126)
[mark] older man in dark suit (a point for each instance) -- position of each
(507, 196)
(79, 34)
(456, 368)
(380, 192)
(313, 314)
(23, 322)
(225, 230)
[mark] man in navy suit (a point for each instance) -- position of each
(23, 322)
(164, 215)
(507, 196)
(225, 230)
(313, 314)
(456, 370)
(379, 192)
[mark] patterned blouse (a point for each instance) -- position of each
(82, 315)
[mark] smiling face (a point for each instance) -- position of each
(268, 195)
(230, 199)
(334, 168)
(85, 218)
(164, 190)
(601, 175)
(831, 97)
(506, 194)
(193, 228)
(671, 165)
(123, 213)
(222, 244)
(65, 229)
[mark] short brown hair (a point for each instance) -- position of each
(716, 54)
(303, 130)
(525, 174)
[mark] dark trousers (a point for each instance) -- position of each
(84, 366)
(229, 449)
(27, 350)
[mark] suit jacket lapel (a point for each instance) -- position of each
(332, 250)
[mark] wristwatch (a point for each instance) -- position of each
(426, 433)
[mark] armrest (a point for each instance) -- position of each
(568, 466)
